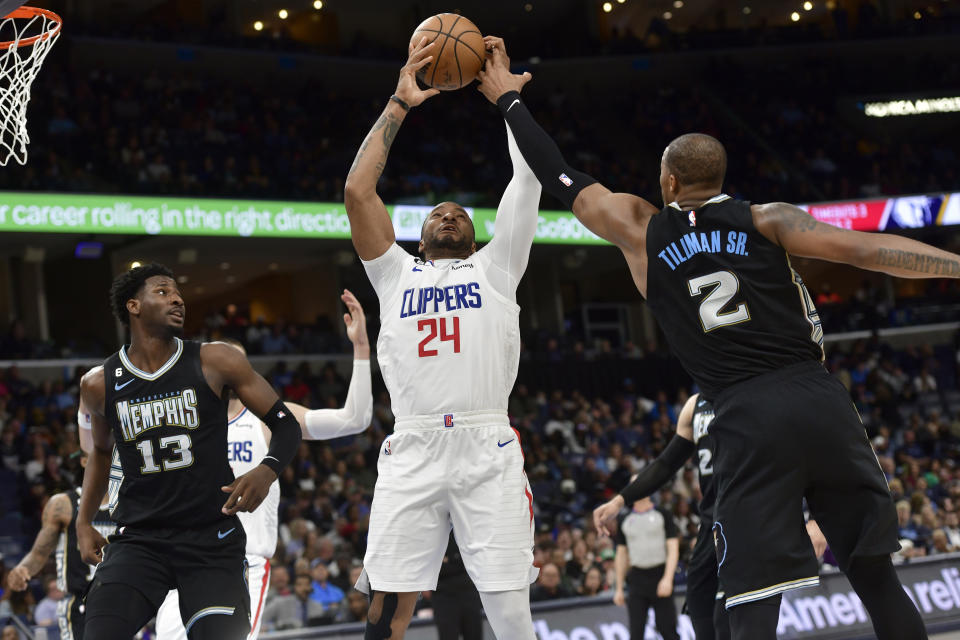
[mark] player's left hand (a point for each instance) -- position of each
(495, 78)
(249, 490)
(665, 587)
(605, 513)
(355, 320)
(817, 538)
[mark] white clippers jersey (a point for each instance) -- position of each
(448, 341)
(246, 447)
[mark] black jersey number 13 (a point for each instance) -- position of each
(182, 455)
(718, 289)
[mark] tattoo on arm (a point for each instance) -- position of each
(390, 125)
(796, 219)
(919, 262)
(55, 514)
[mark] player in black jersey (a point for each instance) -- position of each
(705, 598)
(163, 402)
(716, 273)
(58, 533)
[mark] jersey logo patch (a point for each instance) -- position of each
(448, 420)
(693, 218)
(417, 269)
(503, 444)
(221, 536)
(117, 386)
(386, 449)
(565, 180)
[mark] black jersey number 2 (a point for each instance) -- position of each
(182, 456)
(718, 290)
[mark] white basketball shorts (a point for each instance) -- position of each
(463, 470)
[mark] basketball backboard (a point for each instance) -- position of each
(6, 6)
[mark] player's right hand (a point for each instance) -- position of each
(355, 320)
(18, 578)
(407, 88)
(605, 513)
(495, 77)
(90, 543)
(618, 598)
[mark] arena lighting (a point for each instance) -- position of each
(318, 4)
(795, 16)
(807, 6)
(528, 7)
(677, 4)
(258, 26)
(667, 15)
(135, 264)
(283, 14)
(88, 250)
(917, 15)
(920, 106)
(746, 11)
(607, 7)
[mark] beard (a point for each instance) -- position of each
(449, 243)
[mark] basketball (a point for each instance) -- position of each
(458, 55)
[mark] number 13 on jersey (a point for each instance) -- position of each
(448, 330)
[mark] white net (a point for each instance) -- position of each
(26, 37)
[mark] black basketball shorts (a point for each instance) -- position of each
(702, 582)
(207, 565)
(781, 437)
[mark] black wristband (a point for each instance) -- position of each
(656, 474)
(403, 105)
(285, 437)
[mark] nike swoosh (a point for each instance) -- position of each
(417, 269)
(513, 103)
(502, 445)
(224, 535)
(117, 387)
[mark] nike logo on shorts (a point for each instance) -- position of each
(221, 536)
(503, 444)
(117, 386)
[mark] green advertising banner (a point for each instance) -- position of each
(136, 215)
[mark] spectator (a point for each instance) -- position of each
(592, 583)
(356, 609)
(294, 611)
(549, 585)
(327, 594)
(45, 615)
(279, 582)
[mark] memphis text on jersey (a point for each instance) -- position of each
(420, 300)
(175, 409)
(692, 243)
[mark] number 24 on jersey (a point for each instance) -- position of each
(447, 329)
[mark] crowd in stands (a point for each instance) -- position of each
(579, 450)
(178, 132)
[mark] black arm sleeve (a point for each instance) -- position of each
(541, 152)
(284, 437)
(655, 474)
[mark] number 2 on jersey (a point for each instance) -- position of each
(438, 326)
(722, 285)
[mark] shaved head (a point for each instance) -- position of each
(696, 159)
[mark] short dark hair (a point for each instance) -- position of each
(128, 284)
(696, 158)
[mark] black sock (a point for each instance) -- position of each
(893, 614)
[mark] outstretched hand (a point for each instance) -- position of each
(407, 88)
(605, 513)
(495, 78)
(355, 320)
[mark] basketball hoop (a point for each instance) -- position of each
(28, 34)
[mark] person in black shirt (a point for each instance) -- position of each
(163, 402)
(648, 548)
(457, 609)
(716, 274)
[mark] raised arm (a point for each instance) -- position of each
(370, 225)
(56, 517)
(516, 225)
(619, 218)
(803, 235)
(357, 411)
(657, 473)
(97, 472)
(226, 366)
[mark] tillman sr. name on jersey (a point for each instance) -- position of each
(176, 409)
(695, 242)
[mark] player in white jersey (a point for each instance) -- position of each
(247, 442)
(448, 350)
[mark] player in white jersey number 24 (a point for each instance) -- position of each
(448, 349)
(247, 442)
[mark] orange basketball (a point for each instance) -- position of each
(458, 54)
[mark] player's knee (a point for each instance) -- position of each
(388, 613)
(220, 627)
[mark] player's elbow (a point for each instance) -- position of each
(355, 192)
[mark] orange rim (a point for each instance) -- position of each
(32, 12)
